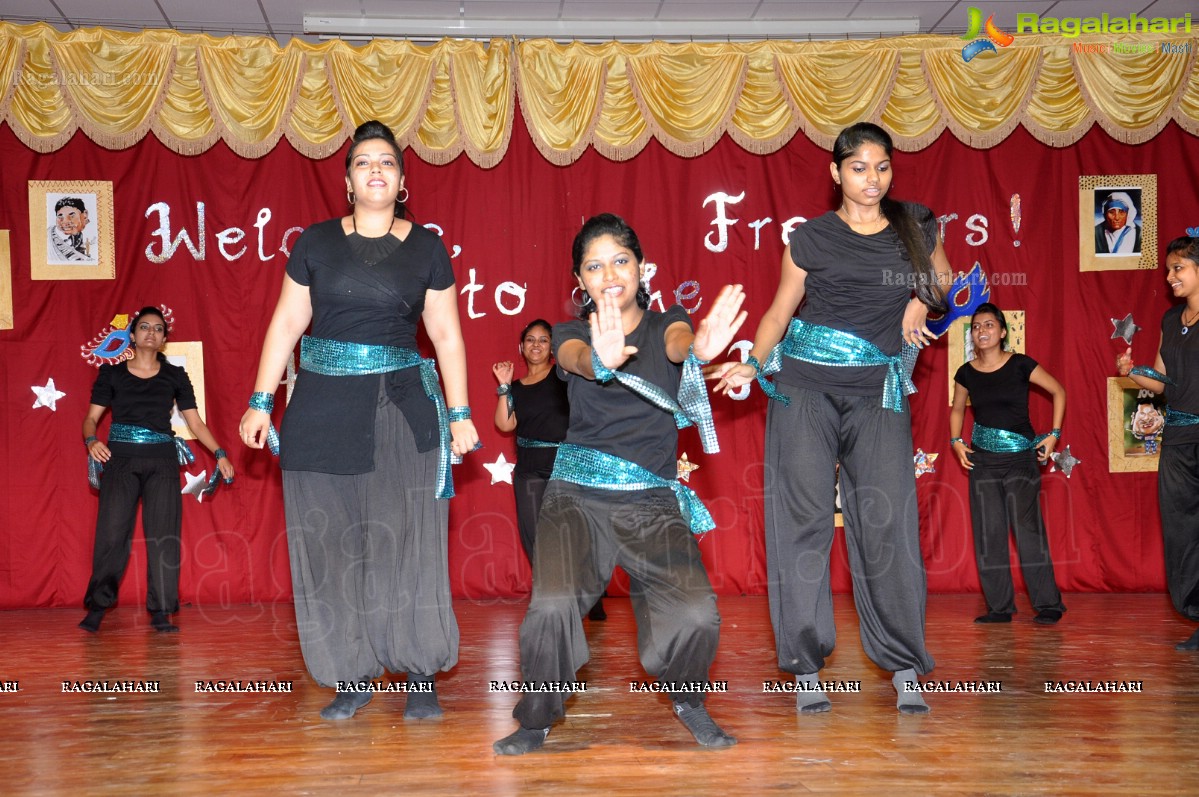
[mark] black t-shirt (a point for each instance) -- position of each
(144, 402)
(858, 284)
(611, 418)
(329, 423)
(542, 413)
(1000, 397)
(1180, 356)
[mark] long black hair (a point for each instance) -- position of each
(905, 225)
(374, 129)
(597, 227)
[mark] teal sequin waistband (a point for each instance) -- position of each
(591, 468)
(1179, 418)
(339, 358)
(127, 433)
(528, 442)
(999, 441)
(821, 345)
(139, 435)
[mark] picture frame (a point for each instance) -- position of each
(1134, 232)
(71, 230)
(1135, 421)
(961, 349)
(6, 317)
(189, 355)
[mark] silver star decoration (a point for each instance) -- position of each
(1064, 461)
(500, 470)
(195, 485)
(47, 396)
(1124, 328)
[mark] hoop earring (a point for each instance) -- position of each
(575, 302)
(350, 197)
(403, 199)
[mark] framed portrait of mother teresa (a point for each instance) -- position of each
(1117, 222)
(71, 230)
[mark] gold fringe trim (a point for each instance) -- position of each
(680, 147)
(24, 41)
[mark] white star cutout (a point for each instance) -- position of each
(500, 470)
(47, 396)
(195, 485)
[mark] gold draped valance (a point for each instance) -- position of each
(192, 90)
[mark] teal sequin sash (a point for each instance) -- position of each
(821, 345)
(140, 435)
(692, 406)
(339, 358)
(591, 468)
(1001, 441)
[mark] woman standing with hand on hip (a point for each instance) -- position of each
(141, 462)
(844, 366)
(366, 442)
(1005, 485)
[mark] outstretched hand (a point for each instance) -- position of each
(607, 333)
(716, 331)
(731, 376)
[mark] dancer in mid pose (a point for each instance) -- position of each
(844, 369)
(613, 497)
(1005, 484)
(1176, 373)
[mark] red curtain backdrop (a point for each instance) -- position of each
(509, 229)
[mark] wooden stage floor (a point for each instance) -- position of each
(1021, 740)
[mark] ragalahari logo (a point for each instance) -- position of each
(993, 36)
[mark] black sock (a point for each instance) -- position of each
(346, 705)
(525, 740)
(421, 705)
(161, 621)
(1190, 644)
(702, 726)
(91, 623)
(908, 702)
(810, 700)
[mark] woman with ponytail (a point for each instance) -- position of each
(866, 274)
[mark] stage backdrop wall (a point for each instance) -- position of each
(704, 221)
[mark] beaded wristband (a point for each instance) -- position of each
(459, 414)
(263, 401)
(1056, 433)
(503, 389)
(691, 353)
(953, 440)
(220, 454)
(87, 441)
(752, 360)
